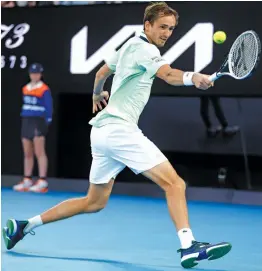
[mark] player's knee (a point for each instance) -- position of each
(98, 206)
(93, 205)
(93, 209)
(174, 184)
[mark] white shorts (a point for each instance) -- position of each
(115, 146)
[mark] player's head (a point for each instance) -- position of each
(159, 22)
(35, 72)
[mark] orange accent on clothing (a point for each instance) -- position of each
(37, 92)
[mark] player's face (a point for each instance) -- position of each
(161, 30)
(35, 77)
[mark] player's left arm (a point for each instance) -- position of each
(101, 76)
(105, 71)
(99, 95)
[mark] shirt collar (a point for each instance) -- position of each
(143, 37)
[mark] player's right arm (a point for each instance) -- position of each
(148, 57)
(177, 77)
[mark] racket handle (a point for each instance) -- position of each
(213, 77)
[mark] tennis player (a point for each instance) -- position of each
(117, 142)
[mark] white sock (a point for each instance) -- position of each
(33, 223)
(186, 237)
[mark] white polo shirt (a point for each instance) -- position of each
(135, 65)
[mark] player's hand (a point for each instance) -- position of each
(201, 81)
(99, 99)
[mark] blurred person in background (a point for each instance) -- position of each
(31, 4)
(45, 3)
(18, 4)
(36, 116)
(21, 4)
(7, 4)
(73, 3)
(212, 131)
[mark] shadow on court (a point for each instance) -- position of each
(124, 265)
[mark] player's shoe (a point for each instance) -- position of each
(202, 251)
(41, 186)
(24, 185)
(14, 232)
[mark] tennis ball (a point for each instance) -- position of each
(219, 37)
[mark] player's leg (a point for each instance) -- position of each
(95, 201)
(103, 171)
(28, 151)
(174, 187)
(192, 251)
(142, 156)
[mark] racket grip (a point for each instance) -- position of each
(213, 77)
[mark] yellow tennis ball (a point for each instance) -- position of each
(219, 37)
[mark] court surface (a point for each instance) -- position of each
(131, 233)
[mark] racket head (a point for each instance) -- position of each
(244, 55)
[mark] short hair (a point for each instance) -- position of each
(158, 9)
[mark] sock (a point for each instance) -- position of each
(186, 237)
(33, 223)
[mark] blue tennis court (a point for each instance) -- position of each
(132, 233)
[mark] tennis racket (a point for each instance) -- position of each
(243, 57)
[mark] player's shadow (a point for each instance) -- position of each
(124, 265)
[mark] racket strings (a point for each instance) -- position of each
(244, 55)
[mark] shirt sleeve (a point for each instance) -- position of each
(112, 60)
(149, 58)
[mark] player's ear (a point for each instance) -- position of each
(147, 25)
